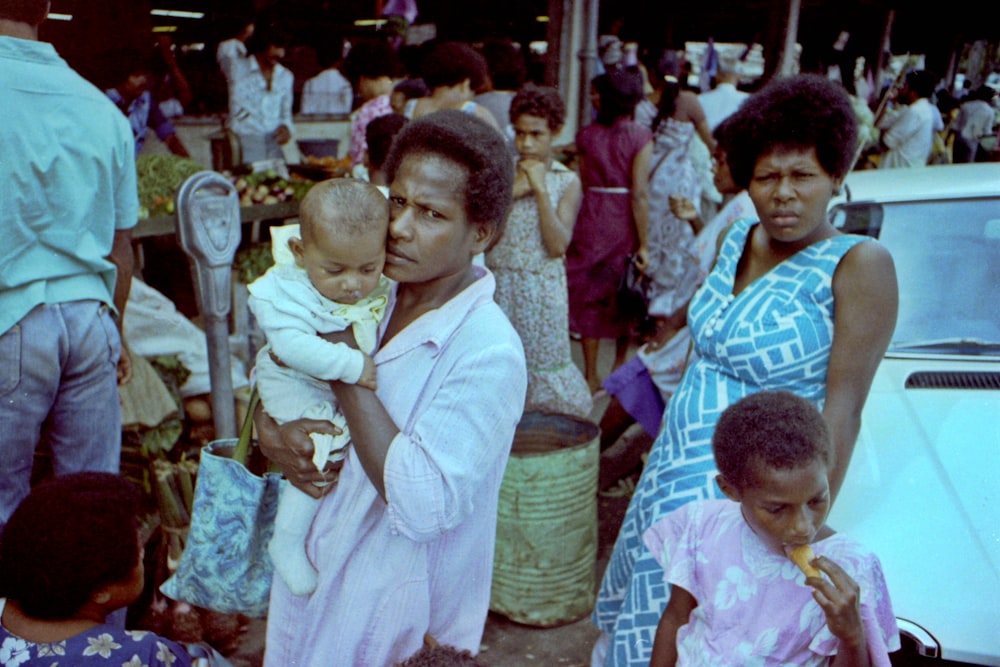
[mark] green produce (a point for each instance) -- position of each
(251, 263)
(159, 178)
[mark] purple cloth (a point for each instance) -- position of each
(635, 390)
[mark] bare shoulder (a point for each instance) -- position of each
(869, 257)
(867, 269)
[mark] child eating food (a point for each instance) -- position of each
(736, 597)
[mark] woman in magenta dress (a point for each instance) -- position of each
(614, 154)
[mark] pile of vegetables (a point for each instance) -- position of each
(161, 175)
(267, 187)
(159, 178)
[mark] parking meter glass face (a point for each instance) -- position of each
(208, 219)
(217, 236)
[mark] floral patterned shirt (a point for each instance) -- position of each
(754, 608)
(103, 645)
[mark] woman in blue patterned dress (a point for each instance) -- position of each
(791, 303)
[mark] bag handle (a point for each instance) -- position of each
(242, 451)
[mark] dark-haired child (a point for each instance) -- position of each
(528, 260)
(736, 598)
(70, 556)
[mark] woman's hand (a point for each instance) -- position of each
(290, 448)
(642, 258)
(684, 209)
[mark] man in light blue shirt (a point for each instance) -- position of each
(68, 201)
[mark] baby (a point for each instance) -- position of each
(735, 597)
(327, 277)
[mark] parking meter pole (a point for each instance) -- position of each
(208, 229)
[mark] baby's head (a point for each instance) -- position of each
(773, 452)
(71, 543)
(344, 223)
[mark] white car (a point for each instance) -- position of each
(923, 487)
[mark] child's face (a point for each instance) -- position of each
(533, 138)
(786, 507)
(344, 269)
(123, 593)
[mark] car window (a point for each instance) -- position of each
(947, 256)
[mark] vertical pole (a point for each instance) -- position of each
(787, 66)
(884, 49)
(588, 58)
(209, 230)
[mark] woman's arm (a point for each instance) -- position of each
(694, 113)
(866, 300)
(640, 201)
(372, 429)
(676, 614)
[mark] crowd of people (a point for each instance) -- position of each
(416, 311)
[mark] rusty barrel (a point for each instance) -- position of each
(546, 552)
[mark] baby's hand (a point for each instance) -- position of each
(840, 598)
(367, 378)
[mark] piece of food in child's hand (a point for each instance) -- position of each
(803, 556)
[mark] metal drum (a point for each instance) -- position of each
(546, 551)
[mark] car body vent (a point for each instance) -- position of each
(953, 380)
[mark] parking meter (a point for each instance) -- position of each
(209, 231)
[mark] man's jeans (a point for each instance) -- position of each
(58, 384)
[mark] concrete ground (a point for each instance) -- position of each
(509, 644)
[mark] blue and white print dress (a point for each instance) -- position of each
(775, 334)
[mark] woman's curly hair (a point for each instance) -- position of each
(797, 112)
(475, 146)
